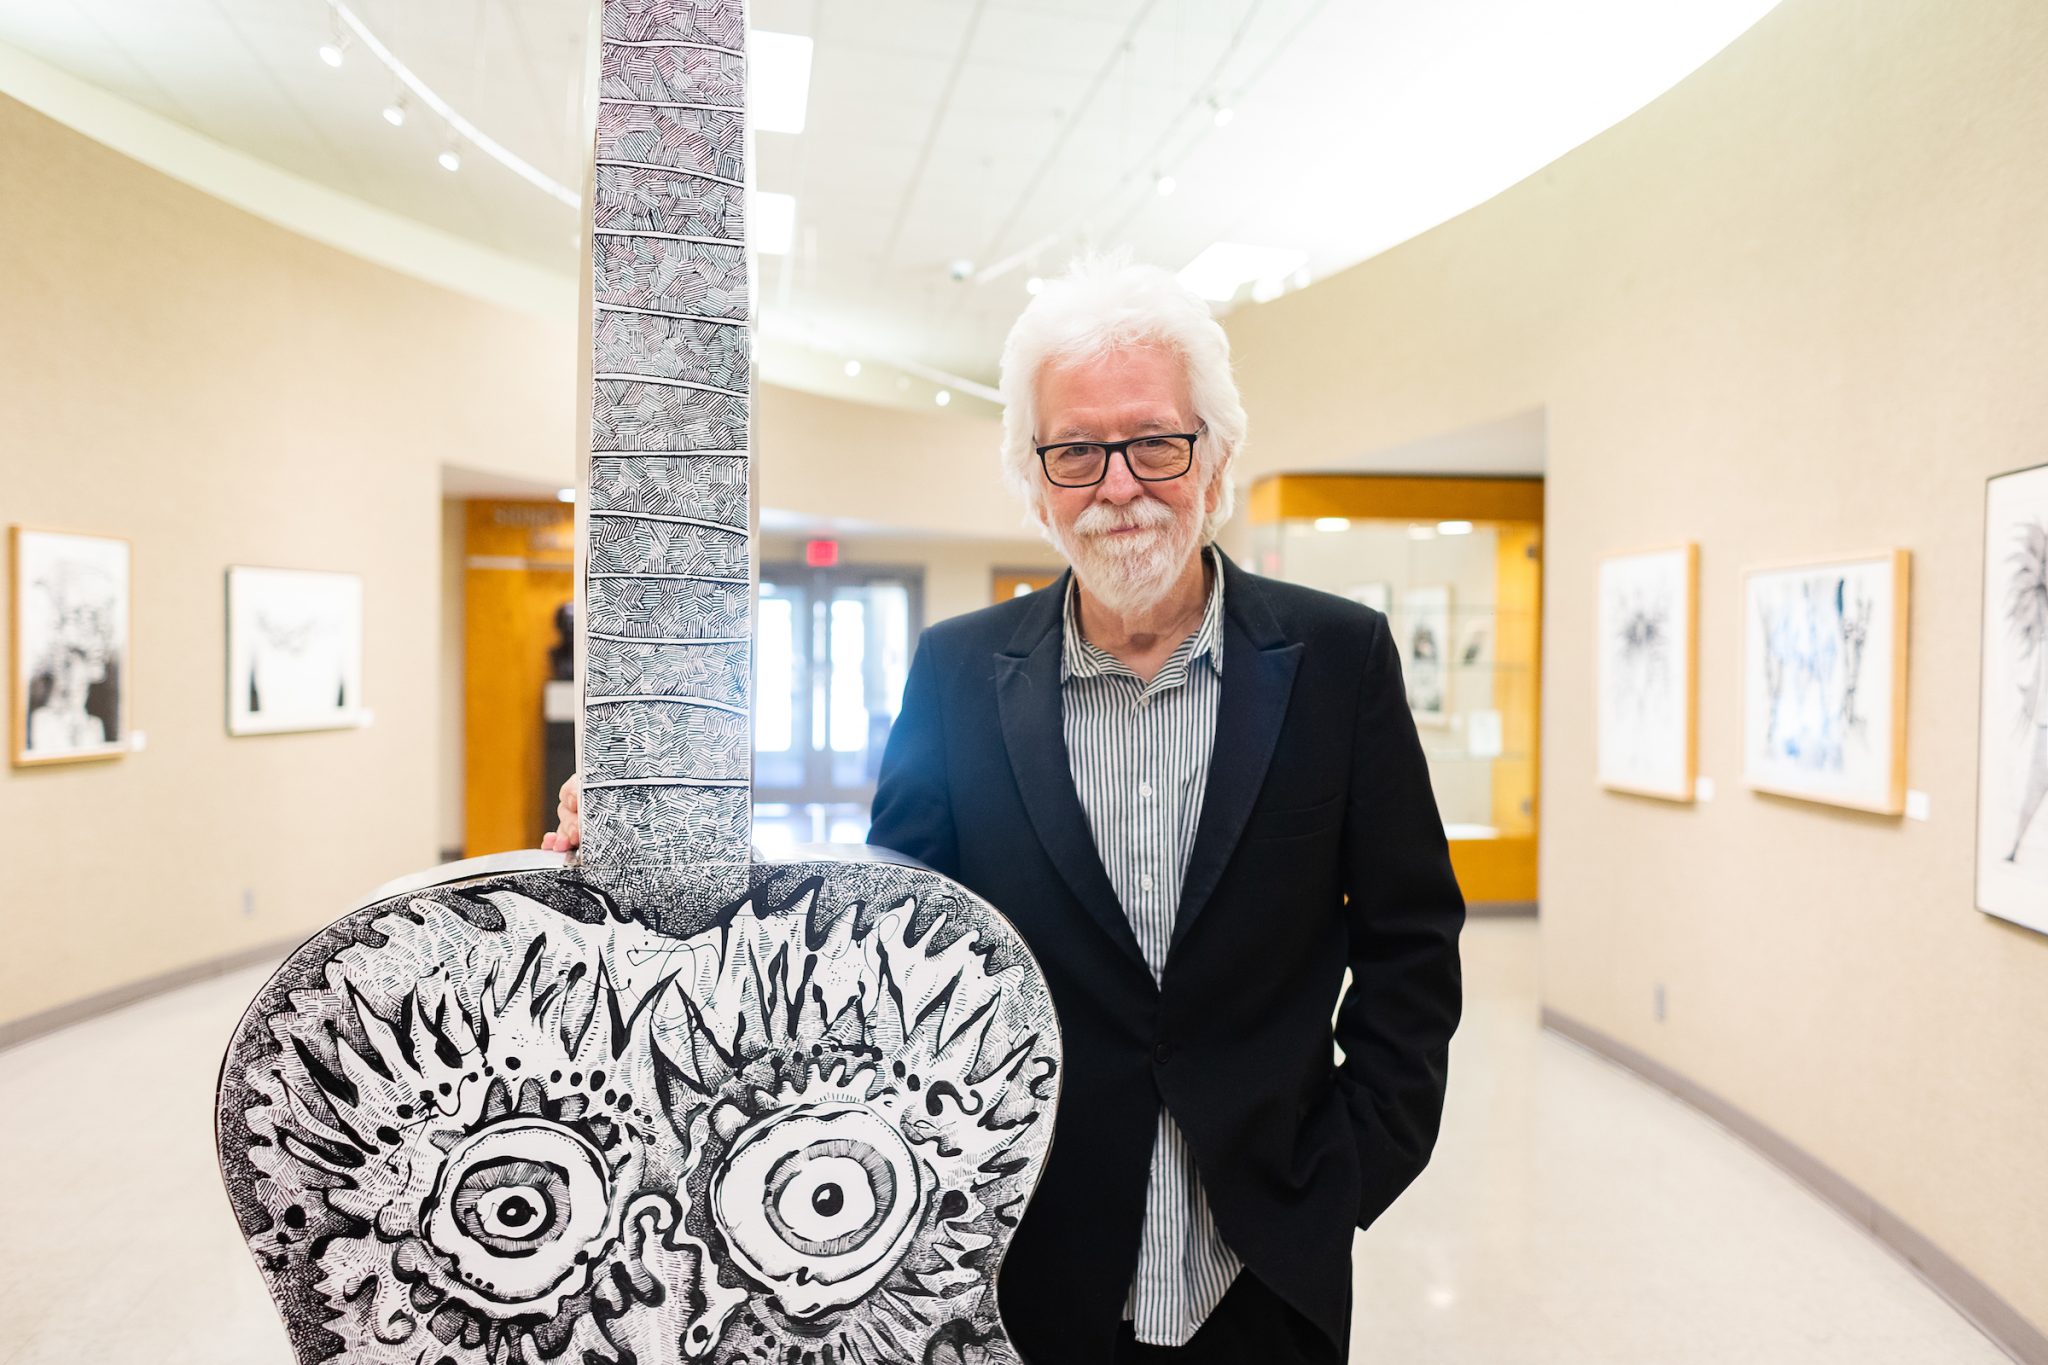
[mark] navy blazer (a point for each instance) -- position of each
(1319, 849)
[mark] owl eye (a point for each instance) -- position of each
(514, 1205)
(818, 1203)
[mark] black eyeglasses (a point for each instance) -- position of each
(1152, 459)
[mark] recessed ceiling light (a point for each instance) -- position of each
(1333, 523)
(1454, 528)
(773, 220)
(852, 369)
(1221, 113)
(1165, 185)
(778, 80)
(451, 160)
(1033, 285)
(1422, 533)
(1226, 267)
(565, 495)
(943, 397)
(394, 114)
(330, 53)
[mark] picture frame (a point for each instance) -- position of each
(70, 646)
(1425, 643)
(294, 651)
(1647, 672)
(2012, 718)
(1824, 680)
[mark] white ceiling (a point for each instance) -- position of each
(1006, 133)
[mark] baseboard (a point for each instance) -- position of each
(1970, 1296)
(22, 1030)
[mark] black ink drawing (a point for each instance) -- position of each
(295, 650)
(668, 1103)
(1825, 681)
(2012, 738)
(1645, 672)
(1427, 644)
(71, 605)
(2026, 619)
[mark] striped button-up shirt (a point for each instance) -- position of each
(1140, 758)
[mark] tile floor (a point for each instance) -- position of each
(1573, 1215)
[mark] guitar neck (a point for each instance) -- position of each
(666, 752)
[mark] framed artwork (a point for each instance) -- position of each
(1425, 650)
(295, 650)
(1824, 681)
(69, 650)
(2012, 721)
(1648, 673)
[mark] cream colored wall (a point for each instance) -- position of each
(1799, 305)
(220, 391)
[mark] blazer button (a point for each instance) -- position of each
(1162, 1053)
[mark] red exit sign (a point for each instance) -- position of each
(821, 554)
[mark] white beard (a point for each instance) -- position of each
(1129, 574)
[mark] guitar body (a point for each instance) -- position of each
(503, 1119)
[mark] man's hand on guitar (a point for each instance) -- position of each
(568, 810)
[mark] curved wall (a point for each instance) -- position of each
(1797, 306)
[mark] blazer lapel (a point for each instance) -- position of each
(1258, 678)
(1028, 700)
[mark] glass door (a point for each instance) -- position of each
(832, 654)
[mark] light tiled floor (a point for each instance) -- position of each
(1573, 1215)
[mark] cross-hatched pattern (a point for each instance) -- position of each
(631, 545)
(691, 828)
(630, 415)
(665, 609)
(655, 201)
(667, 571)
(713, 487)
(669, 737)
(672, 75)
(721, 23)
(670, 277)
(639, 669)
(710, 353)
(701, 141)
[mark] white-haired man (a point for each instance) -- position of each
(1200, 797)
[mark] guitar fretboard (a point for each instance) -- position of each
(666, 745)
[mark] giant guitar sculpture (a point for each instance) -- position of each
(665, 1103)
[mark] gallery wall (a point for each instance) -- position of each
(1797, 307)
(220, 391)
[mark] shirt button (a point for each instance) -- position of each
(1161, 1052)
(1146, 881)
(1144, 789)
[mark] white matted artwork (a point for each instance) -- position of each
(1425, 652)
(295, 650)
(2012, 758)
(70, 654)
(1648, 679)
(1824, 681)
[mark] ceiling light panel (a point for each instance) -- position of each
(778, 80)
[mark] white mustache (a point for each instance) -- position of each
(1101, 518)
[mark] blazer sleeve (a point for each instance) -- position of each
(1404, 913)
(913, 806)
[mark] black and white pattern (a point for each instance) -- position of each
(666, 745)
(666, 1104)
(1139, 753)
(506, 1119)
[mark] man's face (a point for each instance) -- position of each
(1128, 540)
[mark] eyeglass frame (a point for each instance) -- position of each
(1112, 449)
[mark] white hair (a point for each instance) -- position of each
(1104, 304)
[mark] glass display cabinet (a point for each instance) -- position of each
(1457, 566)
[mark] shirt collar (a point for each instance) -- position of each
(1081, 659)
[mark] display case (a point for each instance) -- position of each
(1456, 564)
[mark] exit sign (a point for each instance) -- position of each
(821, 554)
